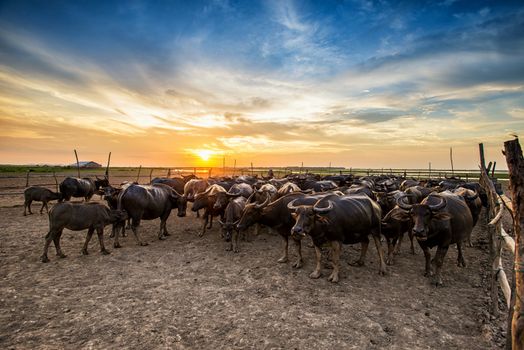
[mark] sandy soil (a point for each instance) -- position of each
(188, 292)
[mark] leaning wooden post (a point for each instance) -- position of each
(107, 167)
(138, 175)
(234, 167)
(77, 163)
(513, 153)
(485, 182)
(56, 181)
(451, 159)
(151, 175)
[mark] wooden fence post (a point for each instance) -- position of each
(513, 153)
(77, 163)
(56, 181)
(107, 167)
(138, 175)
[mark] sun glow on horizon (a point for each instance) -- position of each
(204, 154)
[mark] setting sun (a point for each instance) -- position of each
(204, 154)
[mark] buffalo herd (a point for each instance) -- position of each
(328, 212)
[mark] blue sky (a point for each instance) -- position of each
(357, 83)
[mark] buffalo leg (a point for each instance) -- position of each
(398, 244)
(100, 234)
(115, 231)
(392, 245)
(88, 238)
(335, 260)
(298, 247)
(438, 261)
(206, 218)
(234, 241)
(363, 251)
(134, 227)
(48, 238)
(162, 231)
(284, 257)
(318, 256)
(410, 235)
(27, 205)
(44, 204)
(460, 260)
(56, 241)
(211, 221)
(382, 264)
(427, 256)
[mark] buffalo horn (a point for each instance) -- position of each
(323, 210)
(402, 204)
(221, 222)
(266, 202)
(291, 205)
(471, 198)
(439, 205)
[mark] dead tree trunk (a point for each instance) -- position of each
(513, 153)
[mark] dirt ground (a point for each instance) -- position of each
(189, 293)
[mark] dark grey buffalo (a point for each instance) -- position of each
(39, 194)
(339, 220)
(277, 216)
(206, 200)
(232, 216)
(440, 220)
(237, 190)
(148, 202)
(77, 217)
(85, 187)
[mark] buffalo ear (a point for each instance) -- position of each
(400, 215)
(294, 215)
(442, 216)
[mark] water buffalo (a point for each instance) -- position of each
(394, 230)
(77, 217)
(286, 188)
(39, 194)
(206, 200)
(277, 216)
(232, 216)
(85, 187)
(193, 187)
(223, 198)
(148, 202)
(439, 220)
(339, 220)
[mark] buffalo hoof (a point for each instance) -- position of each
(357, 263)
(382, 272)
(298, 264)
(201, 234)
(333, 278)
(236, 250)
(84, 252)
(228, 249)
(143, 244)
(161, 238)
(61, 255)
(314, 274)
(389, 261)
(117, 245)
(282, 260)
(428, 273)
(438, 282)
(44, 259)
(105, 252)
(167, 234)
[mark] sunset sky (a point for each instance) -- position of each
(166, 83)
